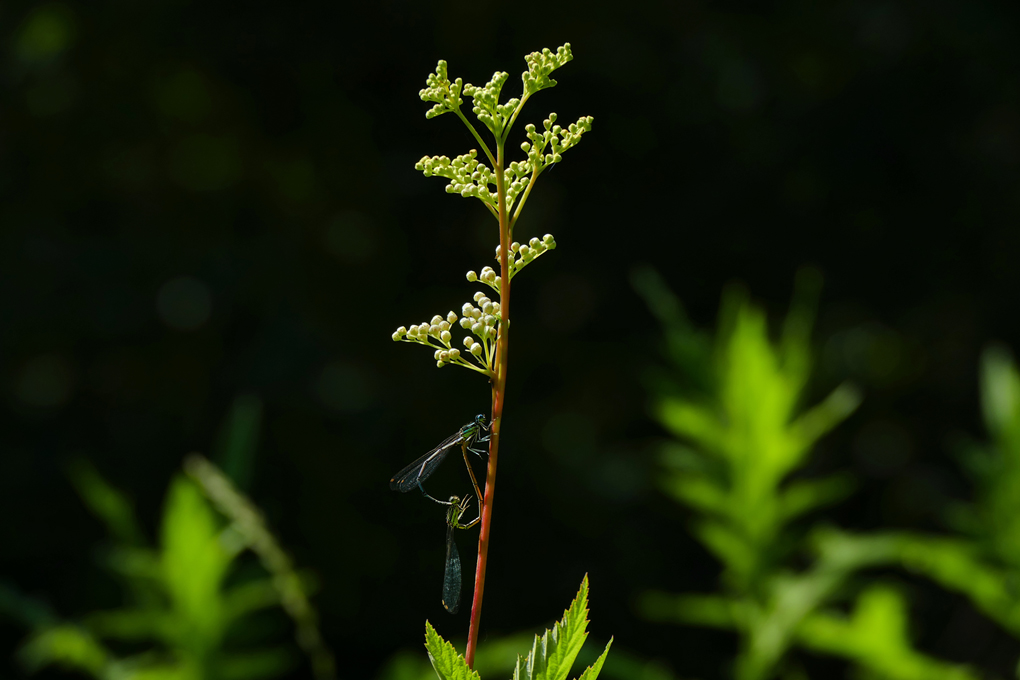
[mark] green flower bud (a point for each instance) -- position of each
(468, 341)
(533, 243)
(438, 353)
(515, 246)
(478, 296)
(472, 277)
(477, 328)
(451, 318)
(434, 331)
(466, 322)
(476, 349)
(446, 336)
(489, 320)
(439, 364)
(436, 320)
(396, 337)
(444, 325)
(549, 240)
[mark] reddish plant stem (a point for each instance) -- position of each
(498, 393)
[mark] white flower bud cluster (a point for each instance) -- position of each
(487, 108)
(518, 176)
(557, 138)
(468, 177)
(523, 255)
(440, 90)
(481, 321)
(541, 64)
(488, 276)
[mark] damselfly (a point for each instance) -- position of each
(467, 438)
(452, 572)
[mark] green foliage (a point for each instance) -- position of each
(993, 520)
(183, 605)
(551, 657)
(188, 601)
(743, 432)
(875, 636)
(983, 562)
(748, 434)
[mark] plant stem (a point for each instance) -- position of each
(498, 393)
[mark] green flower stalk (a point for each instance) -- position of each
(504, 189)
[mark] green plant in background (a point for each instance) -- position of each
(743, 434)
(982, 561)
(503, 187)
(191, 599)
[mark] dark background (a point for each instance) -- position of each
(202, 200)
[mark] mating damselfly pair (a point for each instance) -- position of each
(411, 477)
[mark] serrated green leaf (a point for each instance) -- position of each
(449, 664)
(521, 669)
(592, 672)
(553, 654)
